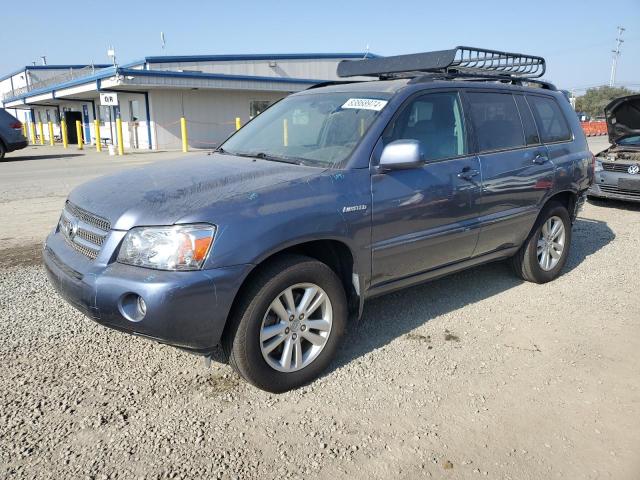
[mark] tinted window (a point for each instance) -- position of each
(530, 130)
(436, 121)
(551, 122)
(496, 121)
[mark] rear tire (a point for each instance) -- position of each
(3, 150)
(274, 301)
(544, 254)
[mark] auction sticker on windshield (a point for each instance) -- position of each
(365, 104)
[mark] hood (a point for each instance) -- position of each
(164, 192)
(623, 117)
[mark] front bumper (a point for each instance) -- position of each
(185, 309)
(607, 185)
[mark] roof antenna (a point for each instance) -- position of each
(162, 41)
(366, 52)
(44, 59)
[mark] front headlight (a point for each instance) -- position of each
(598, 165)
(179, 247)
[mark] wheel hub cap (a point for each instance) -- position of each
(551, 243)
(296, 327)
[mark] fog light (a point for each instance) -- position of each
(132, 307)
(142, 307)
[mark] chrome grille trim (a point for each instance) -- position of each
(616, 167)
(89, 231)
(88, 217)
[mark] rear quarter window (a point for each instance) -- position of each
(496, 121)
(552, 125)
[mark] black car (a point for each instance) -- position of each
(11, 136)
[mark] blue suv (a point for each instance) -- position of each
(346, 191)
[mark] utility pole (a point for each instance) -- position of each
(616, 54)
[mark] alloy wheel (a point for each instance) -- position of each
(296, 327)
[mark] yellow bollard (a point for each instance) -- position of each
(33, 133)
(238, 124)
(65, 134)
(41, 131)
(96, 126)
(361, 127)
(120, 138)
(24, 130)
(183, 130)
(51, 139)
(79, 134)
(285, 133)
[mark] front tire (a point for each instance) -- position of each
(545, 252)
(287, 325)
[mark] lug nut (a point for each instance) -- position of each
(294, 336)
(286, 330)
(301, 316)
(291, 318)
(303, 328)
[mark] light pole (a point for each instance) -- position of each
(616, 54)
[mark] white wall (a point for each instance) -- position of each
(304, 68)
(210, 115)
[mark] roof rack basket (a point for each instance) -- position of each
(462, 61)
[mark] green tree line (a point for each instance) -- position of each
(595, 99)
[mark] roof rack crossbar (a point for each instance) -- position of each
(458, 59)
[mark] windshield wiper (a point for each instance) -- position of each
(266, 156)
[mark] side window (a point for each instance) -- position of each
(435, 120)
(530, 130)
(551, 122)
(496, 121)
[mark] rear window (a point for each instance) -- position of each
(496, 121)
(551, 122)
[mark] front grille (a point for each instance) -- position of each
(616, 167)
(619, 191)
(87, 217)
(83, 231)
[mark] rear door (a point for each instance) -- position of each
(516, 171)
(423, 217)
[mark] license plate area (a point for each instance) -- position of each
(629, 184)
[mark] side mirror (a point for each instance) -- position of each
(402, 154)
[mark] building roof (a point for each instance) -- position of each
(106, 71)
(52, 67)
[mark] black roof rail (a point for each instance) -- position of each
(526, 82)
(459, 60)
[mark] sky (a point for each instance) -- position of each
(575, 37)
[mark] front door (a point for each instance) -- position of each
(70, 119)
(424, 218)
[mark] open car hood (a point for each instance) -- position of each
(623, 117)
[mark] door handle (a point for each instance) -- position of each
(468, 174)
(540, 159)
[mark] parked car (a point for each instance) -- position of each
(334, 195)
(618, 167)
(11, 137)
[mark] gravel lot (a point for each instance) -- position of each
(477, 375)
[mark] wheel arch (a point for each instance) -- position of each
(336, 254)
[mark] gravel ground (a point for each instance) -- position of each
(471, 376)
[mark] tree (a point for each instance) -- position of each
(595, 99)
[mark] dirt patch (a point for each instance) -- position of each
(21, 256)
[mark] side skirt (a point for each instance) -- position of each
(393, 285)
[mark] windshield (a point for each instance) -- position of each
(318, 129)
(635, 140)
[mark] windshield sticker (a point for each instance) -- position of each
(365, 104)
